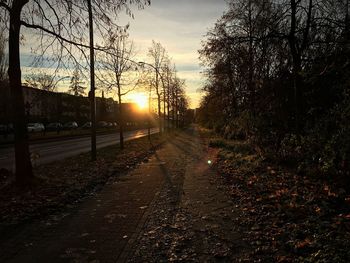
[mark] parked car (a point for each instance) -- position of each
(54, 126)
(10, 127)
(3, 128)
(70, 125)
(6, 128)
(102, 124)
(35, 127)
(87, 125)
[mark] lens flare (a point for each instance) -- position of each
(140, 99)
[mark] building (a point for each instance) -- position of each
(45, 106)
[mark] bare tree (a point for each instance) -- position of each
(3, 58)
(4, 90)
(60, 27)
(171, 83)
(179, 94)
(145, 81)
(42, 81)
(270, 68)
(167, 73)
(158, 55)
(117, 71)
(298, 43)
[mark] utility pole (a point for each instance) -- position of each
(92, 85)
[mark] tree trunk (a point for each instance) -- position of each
(173, 106)
(168, 108)
(296, 64)
(164, 109)
(177, 109)
(24, 172)
(297, 51)
(149, 112)
(159, 114)
(158, 101)
(121, 121)
(347, 24)
(251, 87)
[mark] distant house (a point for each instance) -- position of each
(106, 109)
(45, 106)
(41, 104)
(132, 114)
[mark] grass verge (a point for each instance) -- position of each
(284, 216)
(62, 183)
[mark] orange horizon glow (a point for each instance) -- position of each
(140, 100)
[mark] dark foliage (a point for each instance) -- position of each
(278, 75)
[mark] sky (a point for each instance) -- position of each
(179, 26)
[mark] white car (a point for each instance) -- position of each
(35, 127)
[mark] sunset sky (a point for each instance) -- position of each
(179, 26)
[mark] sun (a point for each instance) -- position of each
(140, 99)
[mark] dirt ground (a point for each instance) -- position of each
(189, 202)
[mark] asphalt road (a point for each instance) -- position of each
(57, 150)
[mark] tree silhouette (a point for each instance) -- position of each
(276, 73)
(158, 56)
(75, 87)
(60, 26)
(3, 59)
(41, 81)
(117, 71)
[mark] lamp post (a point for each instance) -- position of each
(92, 85)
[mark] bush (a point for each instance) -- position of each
(217, 143)
(242, 147)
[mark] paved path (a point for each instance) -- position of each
(198, 224)
(155, 213)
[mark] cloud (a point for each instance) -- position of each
(188, 67)
(179, 26)
(187, 11)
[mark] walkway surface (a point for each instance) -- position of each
(167, 209)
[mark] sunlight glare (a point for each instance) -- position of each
(141, 100)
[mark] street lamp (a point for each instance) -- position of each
(92, 84)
